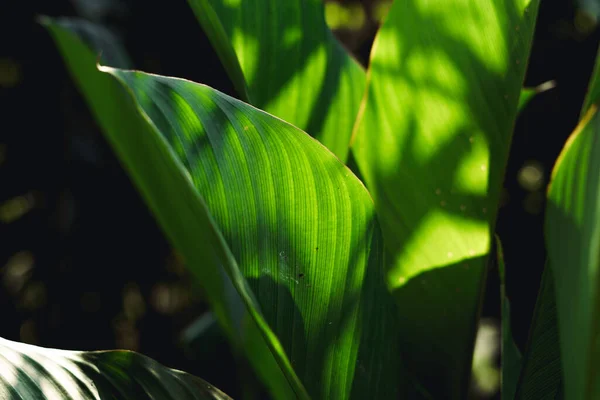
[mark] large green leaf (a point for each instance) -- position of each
(181, 212)
(541, 373)
(573, 243)
(292, 65)
(30, 372)
(296, 222)
(511, 356)
(431, 142)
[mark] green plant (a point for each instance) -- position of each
(329, 290)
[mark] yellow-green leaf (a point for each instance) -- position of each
(294, 230)
(431, 142)
(292, 65)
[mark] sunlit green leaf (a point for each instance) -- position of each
(297, 223)
(30, 372)
(181, 212)
(431, 142)
(292, 65)
(573, 243)
(541, 374)
(511, 356)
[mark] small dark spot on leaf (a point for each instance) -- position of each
(300, 275)
(316, 249)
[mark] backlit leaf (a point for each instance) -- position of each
(292, 65)
(294, 221)
(573, 243)
(431, 142)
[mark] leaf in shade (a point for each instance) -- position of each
(31, 372)
(511, 356)
(541, 373)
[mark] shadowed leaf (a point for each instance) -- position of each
(30, 372)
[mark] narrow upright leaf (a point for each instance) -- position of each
(541, 374)
(573, 243)
(511, 356)
(30, 372)
(292, 65)
(271, 203)
(431, 142)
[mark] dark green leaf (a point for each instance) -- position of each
(30, 372)
(511, 356)
(541, 374)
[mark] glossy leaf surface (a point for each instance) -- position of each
(31, 372)
(431, 142)
(300, 227)
(292, 65)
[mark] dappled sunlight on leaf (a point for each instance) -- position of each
(431, 142)
(292, 64)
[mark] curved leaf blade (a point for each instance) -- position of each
(301, 226)
(292, 64)
(28, 372)
(573, 243)
(431, 142)
(157, 175)
(301, 229)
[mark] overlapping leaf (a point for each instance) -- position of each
(30, 372)
(541, 374)
(298, 225)
(573, 243)
(181, 212)
(511, 356)
(431, 143)
(291, 65)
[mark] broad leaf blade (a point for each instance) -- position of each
(30, 372)
(292, 64)
(182, 214)
(511, 356)
(431, 142)
(573, 243)
(301, 227)
(541, 375)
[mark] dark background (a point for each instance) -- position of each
(83, 264)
